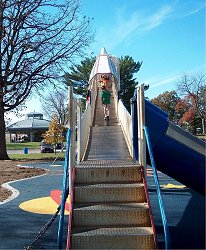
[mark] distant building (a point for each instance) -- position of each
(30, 129)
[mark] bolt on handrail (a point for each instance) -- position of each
(161, 205)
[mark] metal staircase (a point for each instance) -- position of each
(110, 208)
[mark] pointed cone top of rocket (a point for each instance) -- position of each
(104, 64)
(103, 51)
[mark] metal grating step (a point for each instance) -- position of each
(114, 238)
(110, 193)
(107, 174)
(108, 143)
(110, 163)
(116, 214)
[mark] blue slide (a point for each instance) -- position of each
(177, 153)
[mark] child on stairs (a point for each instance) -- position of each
(105, 96)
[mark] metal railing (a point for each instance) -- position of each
(143, 141)
(87, 119)
(157, 185)
(79, 128)
(125, 121)
(64, 189)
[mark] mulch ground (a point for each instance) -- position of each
(9, 171)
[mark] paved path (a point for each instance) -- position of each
(30, 151)
(21, 151)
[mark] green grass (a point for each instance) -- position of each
(37, 156)
(22, 145)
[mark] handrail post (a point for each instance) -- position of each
(69, 160)
(141, 123)
(73, 136)
(132, 117)
(79, 114)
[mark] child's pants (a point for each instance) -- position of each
(106, 110)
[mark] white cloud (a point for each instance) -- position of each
(187, 8)
(163, 80)
(157, 18)
(124, 26)
(160, 84)
(194, 11)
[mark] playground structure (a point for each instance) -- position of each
(109, 202)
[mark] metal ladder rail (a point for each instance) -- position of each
(64, 188)
(161, 205)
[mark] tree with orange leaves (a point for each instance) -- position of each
(193, 87)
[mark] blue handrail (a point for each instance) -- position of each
(64, 188)
(154, 170)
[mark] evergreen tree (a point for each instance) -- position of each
(79, 76)
(128, 67)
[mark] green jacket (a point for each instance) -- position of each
(105, 95)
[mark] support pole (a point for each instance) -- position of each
(79, 131)
(132, 116)
(141, 124)
(71, 126)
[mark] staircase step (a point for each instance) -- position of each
(110, 193)
(107, 174)
(107, 142)
(115, 214)
(114, 238)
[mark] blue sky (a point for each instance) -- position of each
(167, 35)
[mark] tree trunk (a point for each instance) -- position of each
(3, 152)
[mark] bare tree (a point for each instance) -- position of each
(37, 39)
(55, 103)
(194, 87)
